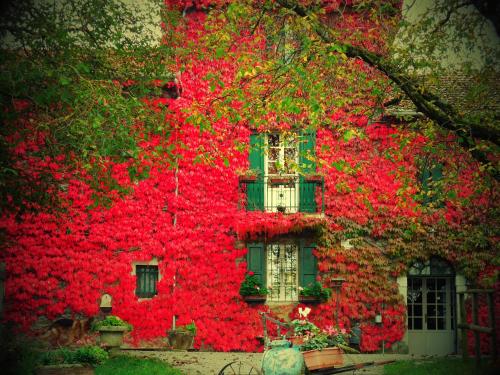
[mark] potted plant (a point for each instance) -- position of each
(302, 330)
(325, 349)
(314, 293)
(252, 290)
(182, 337)
(248, 175)
(111, 330)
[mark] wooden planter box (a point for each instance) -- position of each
(112, 336)
(323, 359)
(276, 181)
(247, 179)
(255, 299)
(180, 339)
(314, 178)
(308, 299)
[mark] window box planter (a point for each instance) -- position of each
(308, 299)
(247, 178)
(323, 359)
(316, 178)
(255, 298)
(112, 336)
(180, 339)
(276, 181)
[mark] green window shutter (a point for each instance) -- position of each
(255, 190)
(429, 176)
(307, 190)
(147, 278)
(256, 261)
(308, 265)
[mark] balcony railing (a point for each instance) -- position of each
(286, 194)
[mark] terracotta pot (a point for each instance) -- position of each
(308, 299)
(255, 299)
(297, 340)
(323, 359)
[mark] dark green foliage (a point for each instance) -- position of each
(441, 366)
(252, 286)
(123, 365)
(18, 354)
(92, 355)
(112, 321)
(316, 290)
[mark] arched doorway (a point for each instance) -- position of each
(431, 308)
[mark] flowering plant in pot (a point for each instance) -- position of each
(314, 293)
(252, 290)
(182, 337)
(111, 330)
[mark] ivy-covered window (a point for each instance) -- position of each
(282, 160)
(431, 175)
(282, 267)
(147, 278)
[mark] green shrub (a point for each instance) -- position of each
(252, 286)
(316, 290)
(191, 327)
(88, 354)
(112, 321)
(18, 354)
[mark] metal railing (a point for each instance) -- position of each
(286, 194)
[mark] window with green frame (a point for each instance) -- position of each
(147, 278)
(431, 175)
(260, 261)
(255, 191)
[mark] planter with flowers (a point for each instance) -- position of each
(322, 349)
(252, 290)
(248, 175)
(111, 330)
(313, 177)
(314, 293)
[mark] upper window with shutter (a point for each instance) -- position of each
(282, 160)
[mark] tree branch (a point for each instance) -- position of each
(426, 102)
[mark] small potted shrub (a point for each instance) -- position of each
(314, 293)
(252, 290)
(182, 337)
(111, 330)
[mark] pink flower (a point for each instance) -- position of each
(250, 273)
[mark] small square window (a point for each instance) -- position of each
(147, 278)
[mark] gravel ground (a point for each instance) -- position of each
(209, 363)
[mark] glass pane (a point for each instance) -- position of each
(417, 310)
(274, 153)
(272, 167)
(431, 284)
(431, 323)
(274, 140)
(417, 323)
(441, 324)
(441, 310)
(431, 310)
(410, 323)
(431, 296)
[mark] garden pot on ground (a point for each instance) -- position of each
(112, 336)
(323, 359)
(180, 339)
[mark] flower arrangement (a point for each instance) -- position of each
(318, 339)
(252, 286)
(316, 290)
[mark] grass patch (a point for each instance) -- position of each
(123, 365)
(440, 366)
